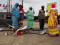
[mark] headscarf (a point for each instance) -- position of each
(30, 7)
(14, 8)
(53, 5)
(16, 5)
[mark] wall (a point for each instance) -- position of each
(36, 4)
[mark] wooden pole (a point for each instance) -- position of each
(9, 6)
(22, 2)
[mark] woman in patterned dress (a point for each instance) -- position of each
(21, 12)
(30, 17)
(15, 15)
(52, 21)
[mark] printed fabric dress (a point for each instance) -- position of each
(15, 16)
(52, 22)
(21, 12)
(30, 18)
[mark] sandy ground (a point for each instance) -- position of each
(28, 39)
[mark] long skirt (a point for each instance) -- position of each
(20, 22)
(52, 26)
(14, 22)
(30, 23)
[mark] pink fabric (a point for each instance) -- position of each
(53, 34)
(21, 10)
(53, 5)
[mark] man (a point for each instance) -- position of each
(41, 17)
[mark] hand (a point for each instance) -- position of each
(11, 13)
(47, 17)
(24, 12)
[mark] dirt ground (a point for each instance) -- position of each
(28, 39)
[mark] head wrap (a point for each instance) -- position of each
(16, 5)
(30, 7)
(53, 5)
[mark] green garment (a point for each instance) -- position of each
(30, 18)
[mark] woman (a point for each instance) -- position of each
(52, 21)
(15, 15)
(30, 17)
(21, 12)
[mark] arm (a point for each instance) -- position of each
(48, 14)
(56, 15)
(33, 12)
(57, 12)
(27, 12)
(12, 11)
(39, 14)
(23, 10)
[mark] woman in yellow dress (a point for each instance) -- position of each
(52, 21)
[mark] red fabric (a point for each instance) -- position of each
(21, 10)
(19, 32)
(53, 5)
